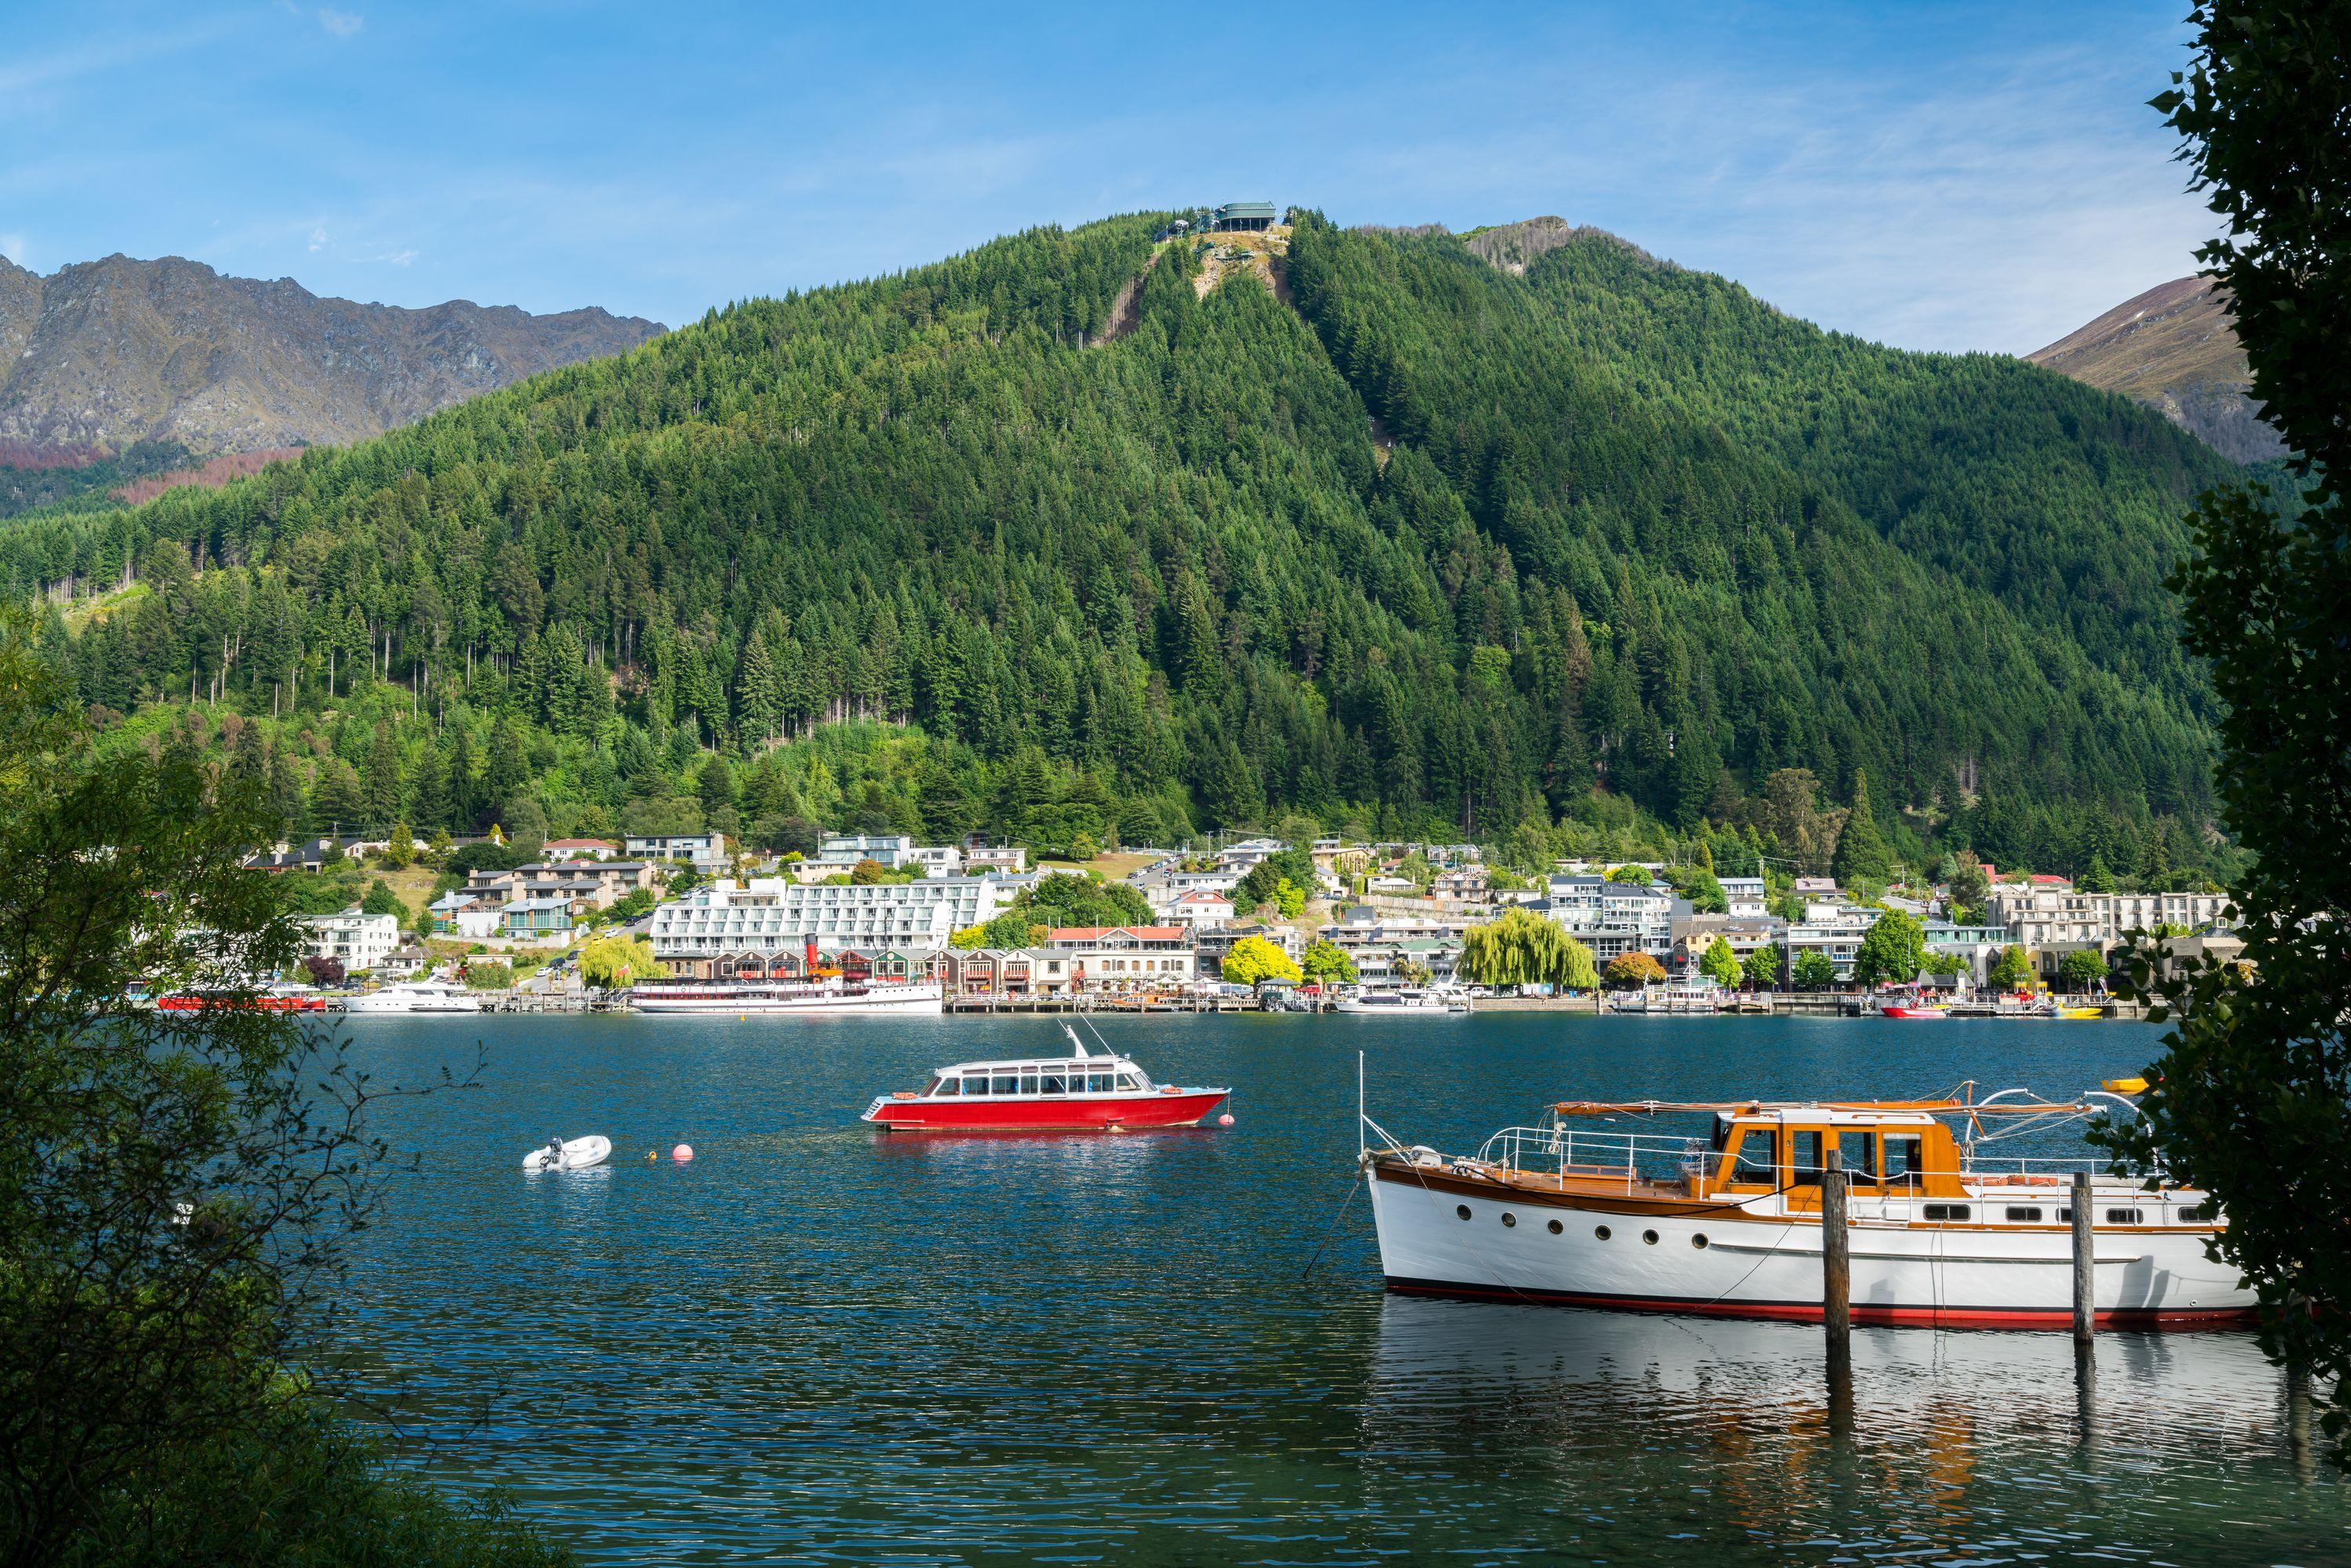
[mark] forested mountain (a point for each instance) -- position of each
(2174, 349)
(1426, 545)
(101, 355)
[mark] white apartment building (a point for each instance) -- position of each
(1613, 918)
(360, 941)
(1834, 929)
(1115, 958)
(2045, 917)
(936, 860)
(841, 851)
(767, 916)
(1195, 909)
(1010, 860)
(1745, 896)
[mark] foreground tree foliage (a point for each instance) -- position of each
(1423, 546)
(2252, 1098)
(176, 1191)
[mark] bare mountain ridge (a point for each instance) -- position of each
(104, 353)
(2174, 349)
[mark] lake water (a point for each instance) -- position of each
(817, 1343)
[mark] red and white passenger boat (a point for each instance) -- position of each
(282, 997)
(1079, 1093)
(1729, 1225)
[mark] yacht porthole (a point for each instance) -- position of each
(1462, 1209)
(1650, 1237)
(1510, 1219)
(1556, 1227)
(1699, 1241)
(1601, 1231)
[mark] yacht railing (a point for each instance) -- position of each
(1563, 1152)
(2035, 1169)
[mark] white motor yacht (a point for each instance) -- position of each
(416, 997)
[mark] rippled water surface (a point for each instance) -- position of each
(815, 1343)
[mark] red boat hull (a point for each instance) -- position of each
(1082, 1114)
(261, 1004)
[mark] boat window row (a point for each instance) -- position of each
(969, 1084)
(1884, 1159)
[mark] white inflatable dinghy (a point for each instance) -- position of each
(577, 1154)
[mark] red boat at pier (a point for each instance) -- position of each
(1081, 1093)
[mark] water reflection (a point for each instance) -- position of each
(1955, 1439)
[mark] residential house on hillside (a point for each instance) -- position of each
(1745, 896)
(312, 854)
(536, 919)
(581, 850)
(1248, 855)
(836, 853)
(1747, 935)
(1835, 929)
(462, 915)
(934, 860)
(1462, 885)
(1977, 947)
(1008, 860)
(1196, 909)
(704, 851)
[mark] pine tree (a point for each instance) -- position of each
(946, 805)
(428, 792)
(383, 794)
(464, 792)
(758, 696)
(509, 769)
(1860, 853)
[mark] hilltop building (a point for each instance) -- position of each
(1252, 217)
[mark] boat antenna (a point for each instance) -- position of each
(1097, 1033)
(1360, 1146)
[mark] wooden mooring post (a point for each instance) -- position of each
(2085, 1255)
(1836, 1292)
(1837, 1254)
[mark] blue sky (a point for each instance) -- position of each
(1930, 176)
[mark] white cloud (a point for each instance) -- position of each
(317, 240)
(397, 257)
(342, 24)
(12, 247)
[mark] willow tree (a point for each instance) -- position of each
(1522, 948)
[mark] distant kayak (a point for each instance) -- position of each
(577, 1154)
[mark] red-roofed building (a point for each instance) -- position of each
(1116, 959)
(2046, 879)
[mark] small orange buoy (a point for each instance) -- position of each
(1226, 1120)
(682, 1153)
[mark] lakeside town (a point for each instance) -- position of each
(577, 923)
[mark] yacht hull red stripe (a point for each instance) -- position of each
(1810, 1311)
(1058, 1116)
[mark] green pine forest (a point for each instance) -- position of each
(1035, 540)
